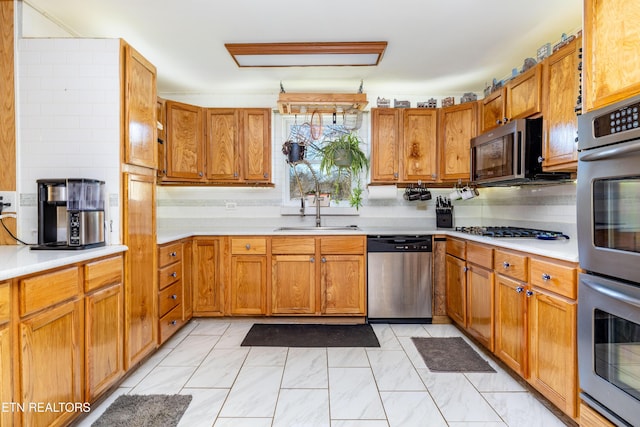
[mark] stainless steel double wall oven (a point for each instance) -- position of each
(608, 217)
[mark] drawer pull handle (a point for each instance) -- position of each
(174, 296)
(174, 322)
(173, 254)
(529, 294)
(506, 264)
(248, 246)
(312, 259)
(174, 274)
(519, 289)
(546, 276)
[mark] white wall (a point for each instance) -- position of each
(68, 113)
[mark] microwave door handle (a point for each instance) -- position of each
(612, 152)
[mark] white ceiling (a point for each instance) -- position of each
(435, 46)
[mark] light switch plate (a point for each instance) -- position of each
(8, 197)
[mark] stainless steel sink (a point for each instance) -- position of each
(321, 228)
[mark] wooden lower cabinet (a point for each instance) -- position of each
(103, 340)
(342, 284)
(456, 270)
(553, 349)
(293, 284)
(589, 417)
(511, 323)
(208, 275)
(51, 362)
(480, 304)
(248, 285)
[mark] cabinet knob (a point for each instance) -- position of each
(540, 159)
(266, 175)
(248, 246)
(498, 122)
(200, 174)
(546, 276)
(519, 289)
(506, 120)
(529, 294)
(395, 175)
(465, 269)
(174, 296)
(174, 322)
(173, 254)
(323, 259)
(174, 274)
(312, 259)
(506, 264)
(235, 174)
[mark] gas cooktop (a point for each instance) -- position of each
(512, 232)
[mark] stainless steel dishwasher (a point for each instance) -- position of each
(399, 278)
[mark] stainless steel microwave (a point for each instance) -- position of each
(511, 154)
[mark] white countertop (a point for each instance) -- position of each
(563, 249)
(18, 261)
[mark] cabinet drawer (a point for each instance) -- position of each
(558, 278)
(5, 303)
(342, 245)
(456, 247)
(170, 323)
(480, 255)
(169, 274)
(169, 254)
(44, 290)
(249, 246)
(101, 273)
(169, 298)
(510, 264)
(293, 245)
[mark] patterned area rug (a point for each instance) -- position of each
(144, 411)
(310, 335)
(450, 355)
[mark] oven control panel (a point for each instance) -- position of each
(616, 121)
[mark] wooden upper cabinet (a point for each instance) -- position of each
(419, 130)
(457, 125)
(223, 161)
(140, 110)
(256, 144)
(161, 116)
(185, 141)
(561, 81)
(524, 94)
(611, 61)
(493, 110)
(385, 144)
(403, 145)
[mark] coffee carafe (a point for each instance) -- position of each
(70, 213)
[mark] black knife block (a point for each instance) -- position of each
(444, 218)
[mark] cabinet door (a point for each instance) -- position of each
(552, 347)
(223, 159)
(562, 79)
(343, 284)
(6, 377)
(524, 93)
(103, 340)
(140, 267)
(256, 144)
(187, 280)
(458, 124)
(161, 116)
(419, 142)
(208, 276)
(140, 110)
(511, 324)
(385, 144)
(51, 362)
(456, 289)
(185, 141)
(480, 304)
(248, 284)
(611, 62)
(293, 284)
(493, 110)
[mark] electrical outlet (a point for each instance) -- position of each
(230, 206)
(8, 197)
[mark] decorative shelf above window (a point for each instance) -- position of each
(325, 103)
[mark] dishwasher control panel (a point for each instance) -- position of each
(418, 243)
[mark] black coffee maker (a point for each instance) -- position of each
(70, 213)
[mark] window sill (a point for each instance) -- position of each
(324, 211)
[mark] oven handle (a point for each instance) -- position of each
(618, 150)
(615, 294)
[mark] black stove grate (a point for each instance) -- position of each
(511, 232)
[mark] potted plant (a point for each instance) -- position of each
(344, 154)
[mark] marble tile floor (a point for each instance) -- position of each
(390, 386)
